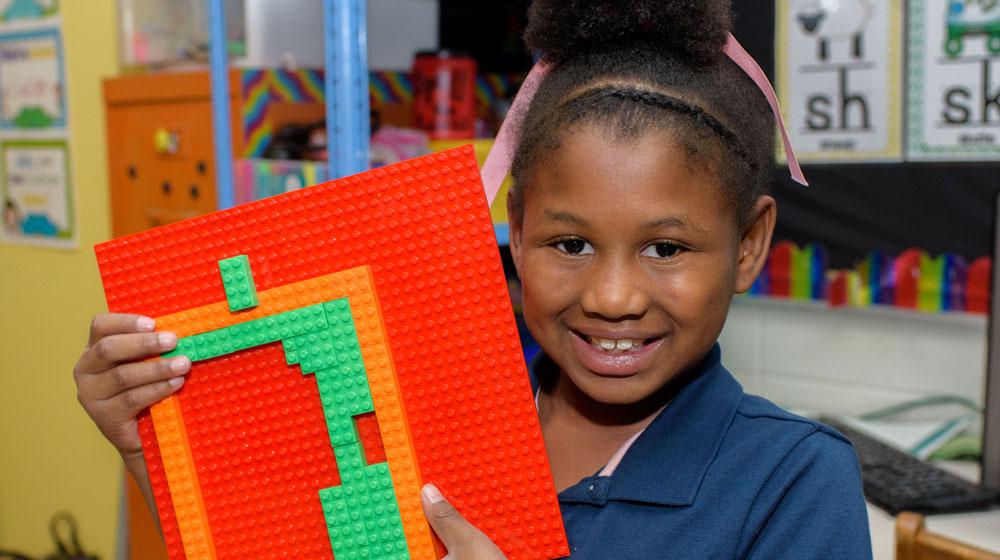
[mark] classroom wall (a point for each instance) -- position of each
(806, 355)
(51, 456)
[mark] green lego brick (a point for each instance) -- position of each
(337, 343)
(241, 292)
(350, 458)
(185, 347)
(344, 391)
(220, 342)
(339, 311)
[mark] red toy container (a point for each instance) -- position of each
(444, 94)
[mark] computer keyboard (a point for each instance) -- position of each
(896, 481)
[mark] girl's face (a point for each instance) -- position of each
(629, 256)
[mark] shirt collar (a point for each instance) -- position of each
(686, 436)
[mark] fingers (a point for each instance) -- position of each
(107, 324)
(463, 540)
(130, 376)
(112, 350)
(128, 404)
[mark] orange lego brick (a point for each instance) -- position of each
(185, 492)
(367, 321)
(398, 450)
(215, 316)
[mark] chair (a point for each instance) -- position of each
(915, 542)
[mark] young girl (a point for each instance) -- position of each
(640, 207)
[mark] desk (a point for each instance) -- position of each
(981, 529)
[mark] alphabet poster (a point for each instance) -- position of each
(954, 99)
(839, 71)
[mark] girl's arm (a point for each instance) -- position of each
(116, 379)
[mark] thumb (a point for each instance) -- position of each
(460, 537)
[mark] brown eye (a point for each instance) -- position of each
(662, 250)
(574, 247)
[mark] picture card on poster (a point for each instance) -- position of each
(839, 71)
(36, 193)
(32, 81)
(954, 82)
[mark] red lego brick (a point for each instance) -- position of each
(157, 478)
(185, 491)
(424, 228)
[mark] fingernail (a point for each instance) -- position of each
(431, 494)
(145, 324)
(167, 340)
(176, 381)
(180, 364)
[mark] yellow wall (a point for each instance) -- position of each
(51, 455)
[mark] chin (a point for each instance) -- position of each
(612, 390)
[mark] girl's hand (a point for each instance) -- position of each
(113, 385)
(464, 542)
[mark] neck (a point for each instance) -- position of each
(563, 402)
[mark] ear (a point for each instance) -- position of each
(515, 237)
(755, 243)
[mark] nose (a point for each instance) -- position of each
(614, 291)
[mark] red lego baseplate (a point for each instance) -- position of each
(256, 432)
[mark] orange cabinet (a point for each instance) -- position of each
(160, 148)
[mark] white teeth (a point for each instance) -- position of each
(621, 345)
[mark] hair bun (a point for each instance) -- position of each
(692, 29)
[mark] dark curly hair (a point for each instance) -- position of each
(635, 66)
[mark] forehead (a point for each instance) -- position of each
(639, 178)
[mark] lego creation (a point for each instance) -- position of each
(381, 353)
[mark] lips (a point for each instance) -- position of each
(615, 356)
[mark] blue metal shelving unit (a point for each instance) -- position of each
(347, 110)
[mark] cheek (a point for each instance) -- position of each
(701, 295)
(545, 288)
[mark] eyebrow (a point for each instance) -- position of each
(669, 222)
(566, 217)
(672, 222)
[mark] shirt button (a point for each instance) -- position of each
(591, 488)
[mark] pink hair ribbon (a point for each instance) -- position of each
(742, 58)
(498, 162)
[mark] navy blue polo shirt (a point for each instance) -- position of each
(720, 474)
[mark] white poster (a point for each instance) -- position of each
(954, 80)
(36, 193)
(32, 94)
(839, 71)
